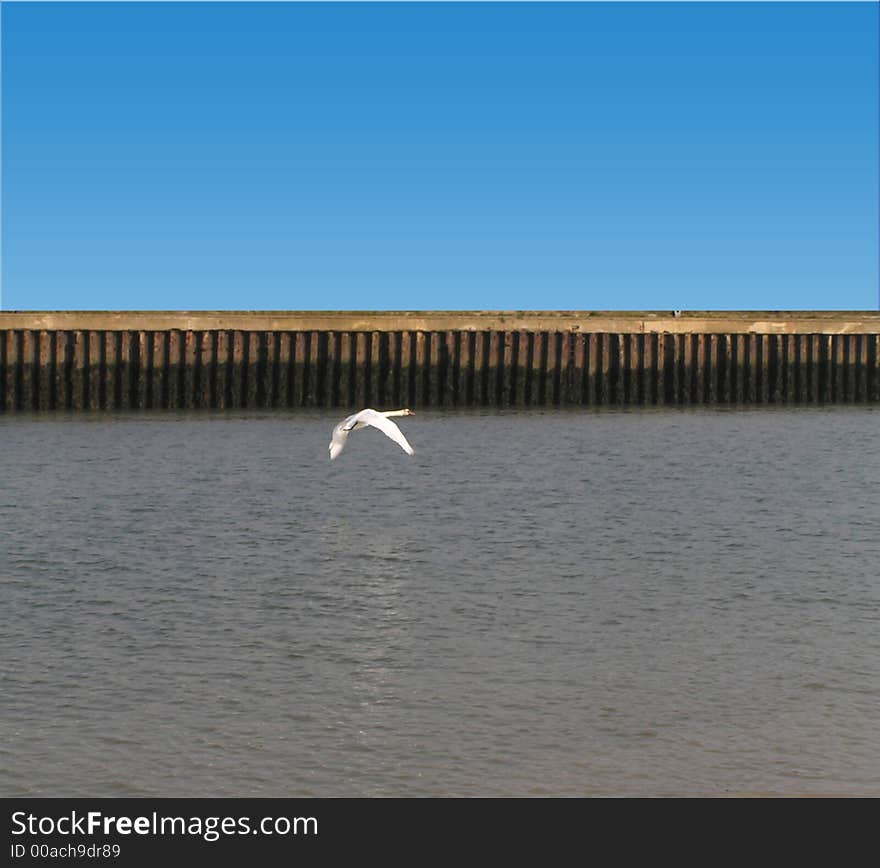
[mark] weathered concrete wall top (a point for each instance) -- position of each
(619, 322)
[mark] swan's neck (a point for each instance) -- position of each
(388, 413)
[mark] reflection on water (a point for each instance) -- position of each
(555, 603)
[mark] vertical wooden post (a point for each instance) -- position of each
(778, 356)
(566, 368)
(506, 363)
(874, 378)
(578, 367)
(44, 370)
(144, 345)
(523, 384)
(850, 364)
(207, 370)
(223, 364)
(375, 369)
(814, 368)
(450, 398)
(739, 390)
(94, 370)
(407, 387)
(791, 371)
(661, 368)
(189, 369)
(270, 379)
(635, 369)
(649, 373)
(465, 369)
(700, 371)
(345, 359)
(4, 370)
(604, 390)
(862, 365)
(125, 373)
(63, 359)
(158, 369)
(726, 359)
(79, 370)
(28, 379)
(432, 365)
(687, 369)
(239, 363)
(298, 376)
(111, 370)
(840, 369)
(12, 362)
(802, 356)
(253, 369)
(763, 369)
(677, 340)
(331, 369)
(391, 388)
(480, 396)
(551, 369)
(712, 369)
(752, 370)
(174, 370)
(360, 371)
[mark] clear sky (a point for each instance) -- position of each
(440, 155)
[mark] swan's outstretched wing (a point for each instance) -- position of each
(383, 423)
(367, 417)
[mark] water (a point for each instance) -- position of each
(537, 603)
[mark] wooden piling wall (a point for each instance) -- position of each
(256, 360)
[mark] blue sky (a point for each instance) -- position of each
(440, 155)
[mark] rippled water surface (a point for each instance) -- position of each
(537, 603)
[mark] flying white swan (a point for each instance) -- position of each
(377, 420)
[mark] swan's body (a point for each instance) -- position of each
(377, 420)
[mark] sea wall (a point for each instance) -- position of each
(95, 360)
